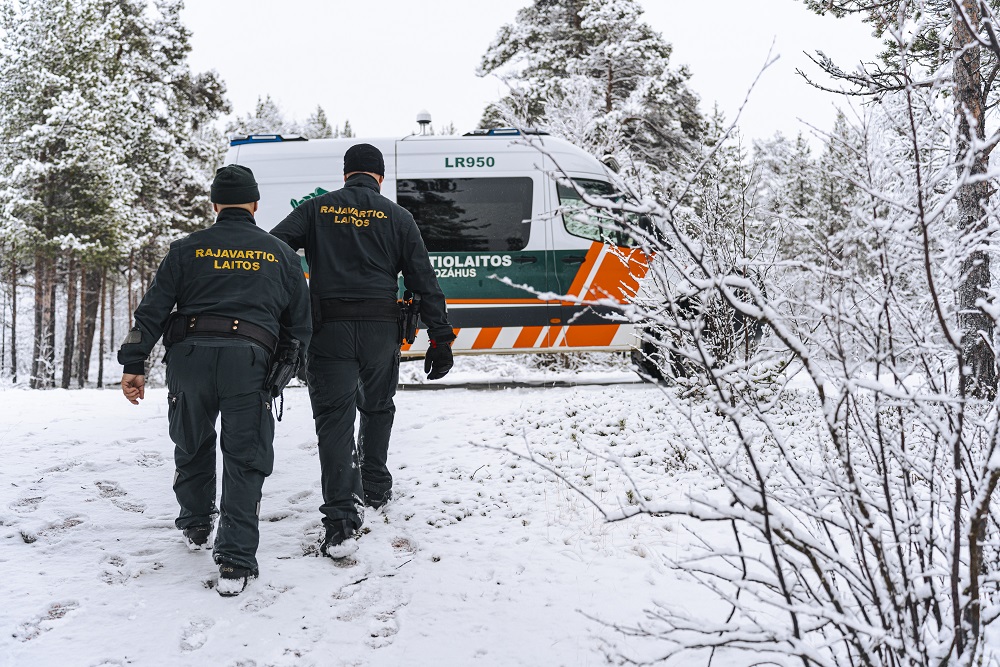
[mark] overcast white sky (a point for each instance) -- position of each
(378, 63)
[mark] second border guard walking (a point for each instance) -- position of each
(356, 243)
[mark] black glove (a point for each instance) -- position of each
(438, 360)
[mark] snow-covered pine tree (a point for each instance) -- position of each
(954, 42)
(596, 69)
(787, 175)
(63, 179)
(111, 149)
(175, 146)
(267, 118)
(317, 126)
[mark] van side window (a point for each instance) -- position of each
(588, 222)
(469, 214)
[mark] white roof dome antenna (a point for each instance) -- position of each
(423, 120)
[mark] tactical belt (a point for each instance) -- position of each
(377, 310)
(228, 327)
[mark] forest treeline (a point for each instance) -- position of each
(110, 141)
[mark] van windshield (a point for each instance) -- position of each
(593, 223)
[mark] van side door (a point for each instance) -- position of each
(475, 206)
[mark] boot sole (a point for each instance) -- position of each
(342, 550)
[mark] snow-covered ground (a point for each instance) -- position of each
(481, 559)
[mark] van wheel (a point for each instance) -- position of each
(646, 362)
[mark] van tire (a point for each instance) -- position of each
(645, 363)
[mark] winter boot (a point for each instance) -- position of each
(233, 579)
(196, 537)
(338, 543)
(378, 500)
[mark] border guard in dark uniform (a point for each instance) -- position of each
(357, 242)
(241, 300)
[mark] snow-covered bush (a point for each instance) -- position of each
(867, 534)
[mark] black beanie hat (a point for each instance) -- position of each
(234, 184)
(364, 157)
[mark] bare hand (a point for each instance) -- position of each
(134, 387)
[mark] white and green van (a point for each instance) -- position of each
(495, 221)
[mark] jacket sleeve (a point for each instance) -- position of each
(294, 229)
(296, 319)
(419, 277)
(150, 318)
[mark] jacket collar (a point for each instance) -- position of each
(236, 214)
(362, 181)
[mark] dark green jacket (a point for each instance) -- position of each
(232, 269)
(357, 242)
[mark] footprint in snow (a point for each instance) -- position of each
(62, 467)
(128, 506)
(149, 459)
(51, 530)
(117, 569)
(116, 494)
(404, 546)
(262, 599)
(33, 628)
(360, 601)
(382, 629)
(109, 489)
(297, 498)
(195, 633)
(25, 505)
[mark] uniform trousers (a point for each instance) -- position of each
(352, 367)
(207, 377)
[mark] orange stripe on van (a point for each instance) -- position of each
(617, 276)
(590, 335)
(581, 275)
(527, 337)
(486, 338)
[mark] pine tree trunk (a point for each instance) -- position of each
(69, 340)
(607, 93)
(101, 350)
(50, 334)
(36, 349)
(90, 302)
(975, 325)
(13, 316)
(111, 311)
(3, 331)
(128, 285)
(43, 357)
